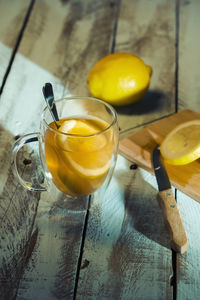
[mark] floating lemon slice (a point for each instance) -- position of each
(82, 139)
(78, 127)
(182, 145)
(91, 172)
(87, 154)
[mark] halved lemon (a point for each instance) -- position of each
(182, 145)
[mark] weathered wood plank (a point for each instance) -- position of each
(188, 264)
(22, 100)
(49, 51)
(148, 29)
(120, 222)
(189, 47)
(188, 274)
(67, 37)
(51, 270)
(12, 16)
(38, 257)
(17, 213)
(83, 30)
(126, 252)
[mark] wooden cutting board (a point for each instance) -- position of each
(139, 146)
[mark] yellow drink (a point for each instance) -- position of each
(78, 154)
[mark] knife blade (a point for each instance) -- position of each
(166, 199)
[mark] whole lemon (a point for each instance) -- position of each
(119, 78)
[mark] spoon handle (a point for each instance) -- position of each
(49, 97)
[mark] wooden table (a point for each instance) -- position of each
(114, 247)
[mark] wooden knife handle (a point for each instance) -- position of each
(173, 220)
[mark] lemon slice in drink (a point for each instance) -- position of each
(78, 127)
(98, 168)
(82, 135)
(85, 151)
(182, 145)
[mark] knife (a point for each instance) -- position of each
(179, 241)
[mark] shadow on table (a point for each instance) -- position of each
(142, 210)
(139, 251)
(153, 100)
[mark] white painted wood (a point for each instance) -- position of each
(148, 29)
(50, 245)
(5, 54)
(188, 264)
(41, 59)
(51, 271)
(22, 102)
(17, 212)
(126, 249)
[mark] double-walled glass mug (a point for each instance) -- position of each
(78, 153)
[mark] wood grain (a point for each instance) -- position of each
(188, 266)
(148, 29)
(139, 147)
(83, 30)
(189, 46)
(80, 33)
(51, 270)
(188, 274)
(17, 214)
(66, 38)
(12, 15)
(127, 247)
(39, 255)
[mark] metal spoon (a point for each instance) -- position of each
(49, 98)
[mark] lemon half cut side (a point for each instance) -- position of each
(182, 144)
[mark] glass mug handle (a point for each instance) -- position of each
(29, 138)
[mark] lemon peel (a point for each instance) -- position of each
(90, 172)
(92, 162)
(119, 78)
(182, 144)
(81, 138)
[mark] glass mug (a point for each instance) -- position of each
(78, 153)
